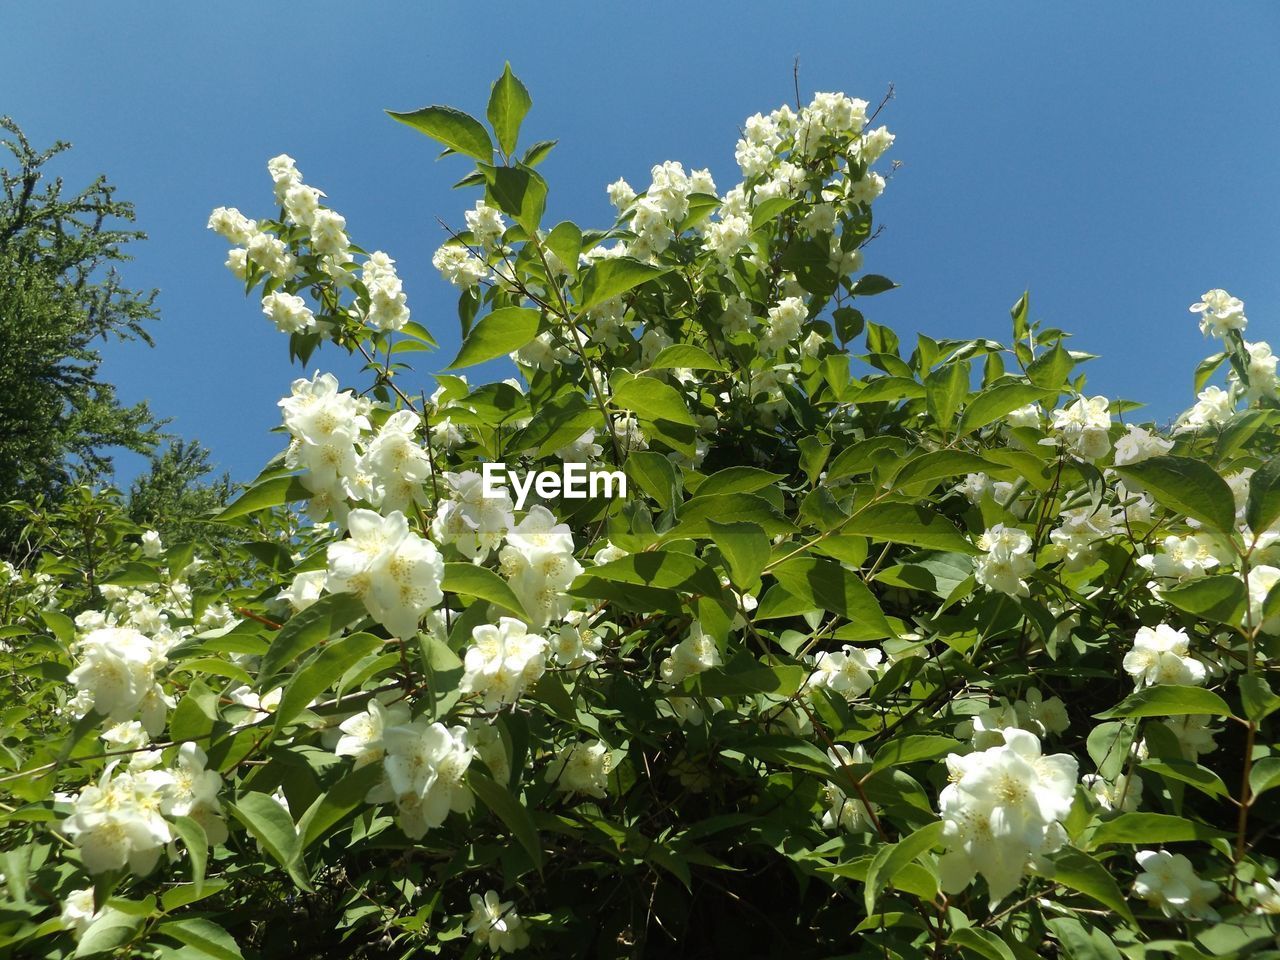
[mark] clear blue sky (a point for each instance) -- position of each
(1118, 159)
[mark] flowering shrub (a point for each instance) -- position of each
(933, 655)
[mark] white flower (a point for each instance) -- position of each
(192, 791)
(620, 194)
(575, 644)
(1083, 530)
(117, 822)
(1139, 444)
(1168, 881)
(495, 924)
(289, 313)
(1220, 312)
(78, 912)
(849, 671)
(284, 174)
(1260, 371)
(539, 564)
(398, 467)
(328, 233)
(1003, 808)
(1007, 561)
(1162, 656)
(727, 236)
(502, 661)
(425, 764)
(486, 224)
(1194, 735)
(230, 223)
(388, 304)
(271, 254)
(362, 733)
(305, 589)
(1084, 427)
(700, 181)
(459, 265)
(844, 812)
(1262, 580)
(1027, 416)
(783, 324)
(1214, 406)
(1181, 558)
(302, 203)
(393, 570)
(694, 654)
(473, 523)
(1266, 896)
(152, 546)
(1123, 795)
(581, 768)
(116, 676)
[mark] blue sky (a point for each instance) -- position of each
(1118, 159)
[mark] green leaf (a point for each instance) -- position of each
(1082, 873)
(197, 843)
(510, 811)
(990, 405)
(1143, 828)
(655, 475)
(204, 936)
(337, 802)
(945, 390)
(1264, 776)
(1050, 370)
(745, 547)
(1081, 944)
(565, 241)
(912, 749)
(1257, 697)
(271, 825)
(871, 284)
(320, 621)
(509, 101)
(470, 580)
(1184, 771)
(886, 389)
(651, 399)
(456, 130)
(1168, 700)
(499, 333)
(697, 514)
(518, 191)
(664, 569)
(908, 523)
(1263, 508)
(1185, 486)
(786, 751)
(610, 278)
(685, 356)
(982, 942)
(934, 466)
(111, 929)
(538, 152)
(769, 209)
(829, 586)
(737, 480)
(892, 857)
(1219, 598)
(323, 671)
(268, 493)
(743, 676)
